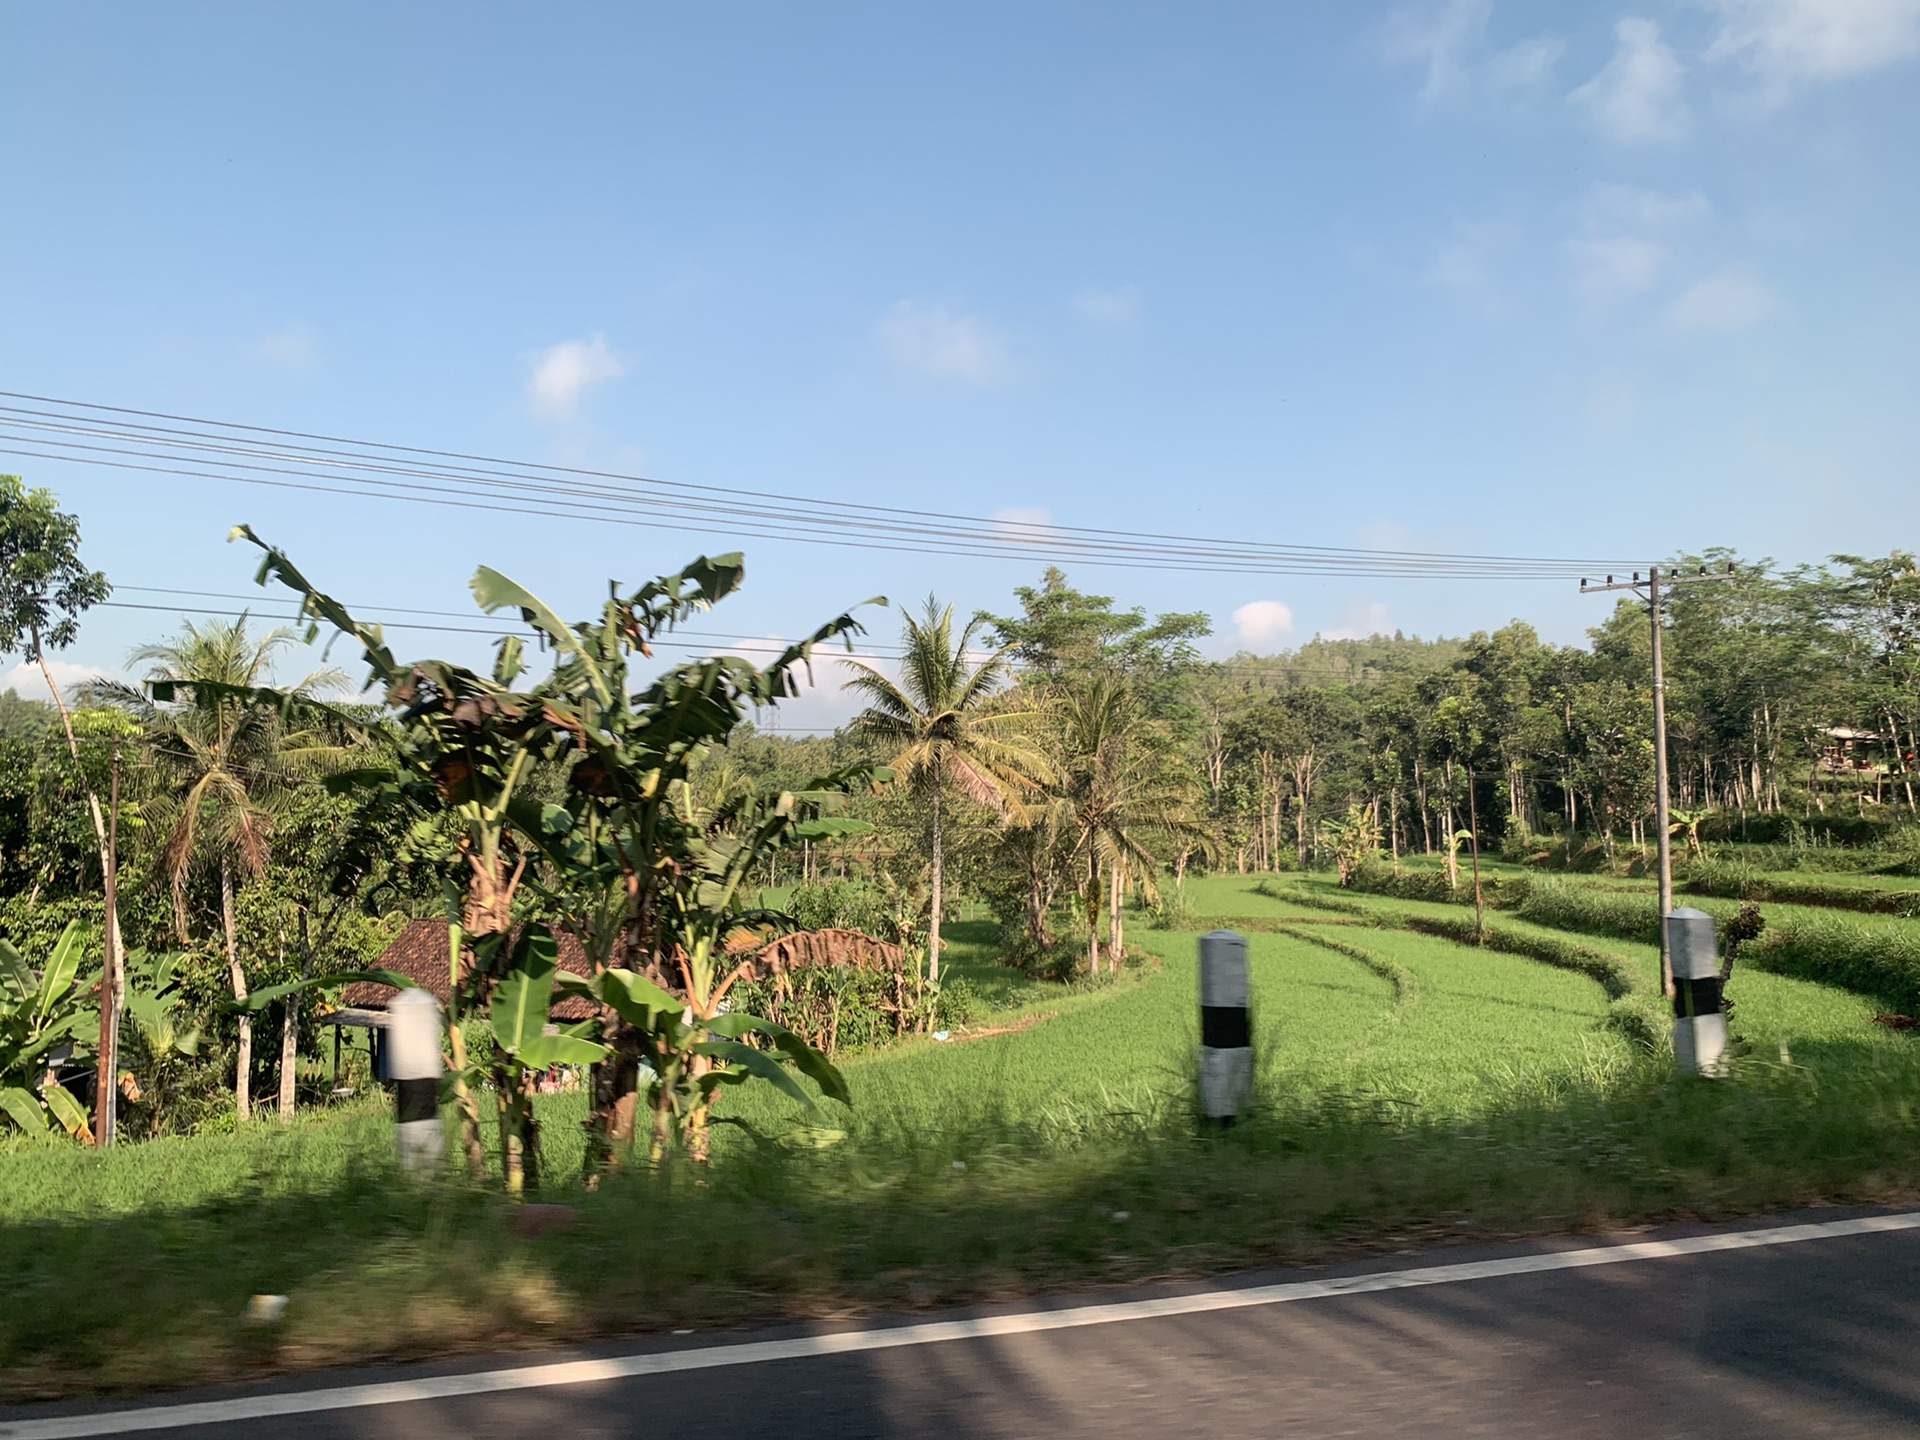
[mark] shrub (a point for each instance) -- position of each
(843, 905)
(839, 1008)
(956, 1004)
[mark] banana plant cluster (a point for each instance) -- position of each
(653, 884)
(51, 1018)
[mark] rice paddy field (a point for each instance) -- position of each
(1412, 1089)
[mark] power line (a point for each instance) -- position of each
(189, 447)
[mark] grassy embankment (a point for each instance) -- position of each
(1412, 1089)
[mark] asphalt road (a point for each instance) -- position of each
(1820, 1338)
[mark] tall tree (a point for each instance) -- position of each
(43, 590)
(232, 750)
(945, 733)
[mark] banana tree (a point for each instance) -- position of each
(50, 1016)
(621, 850)
(528, 1044)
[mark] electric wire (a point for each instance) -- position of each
(189, 447)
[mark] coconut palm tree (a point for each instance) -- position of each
(1123, 788)
(946, 732)
(231, 750)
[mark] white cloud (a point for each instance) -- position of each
(32, 685)
(1629, 206)
(1615, 266)
(1526, 66)
(1788, 43)
(292, 349)
(1636, 99)
(563, 373)
(1362, 619)
(1624, 245)
(1261, 622)
(1449, 40)
(937, 341)
(1730, 299)
(1109, 307)
(1474, 260)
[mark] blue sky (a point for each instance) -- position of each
(1521, 278)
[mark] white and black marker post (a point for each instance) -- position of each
(1699, 1024)
(1226, 1042)
(413, 1063)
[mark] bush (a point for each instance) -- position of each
(840, 1008)
(956, 1004)
(843, 905)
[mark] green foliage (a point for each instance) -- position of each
(47, 1020)
(843, 905)
(43, 586)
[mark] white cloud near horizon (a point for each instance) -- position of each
(933, 339)
(1636, 99)
(1261, 623)
(1116, 306)
(1728, 300)
(1449, 40)
(563, 373)
(1787, 44)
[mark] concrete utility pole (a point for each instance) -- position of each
(1649, 590)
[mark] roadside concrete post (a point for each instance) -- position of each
(1226, 1042)
(1699, 1025)
(413, 1062)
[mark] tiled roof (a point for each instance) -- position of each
(420, 953)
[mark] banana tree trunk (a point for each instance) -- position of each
(243, 1069)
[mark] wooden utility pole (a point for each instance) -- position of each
(1649, 590)
(106, 1076)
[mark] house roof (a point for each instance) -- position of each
(419, 952)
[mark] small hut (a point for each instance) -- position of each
(420, 952)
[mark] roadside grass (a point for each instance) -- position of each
(902, 1215)
(1411, 1089)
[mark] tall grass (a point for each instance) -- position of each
(904, 1214)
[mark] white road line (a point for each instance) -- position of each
(848, 1342)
